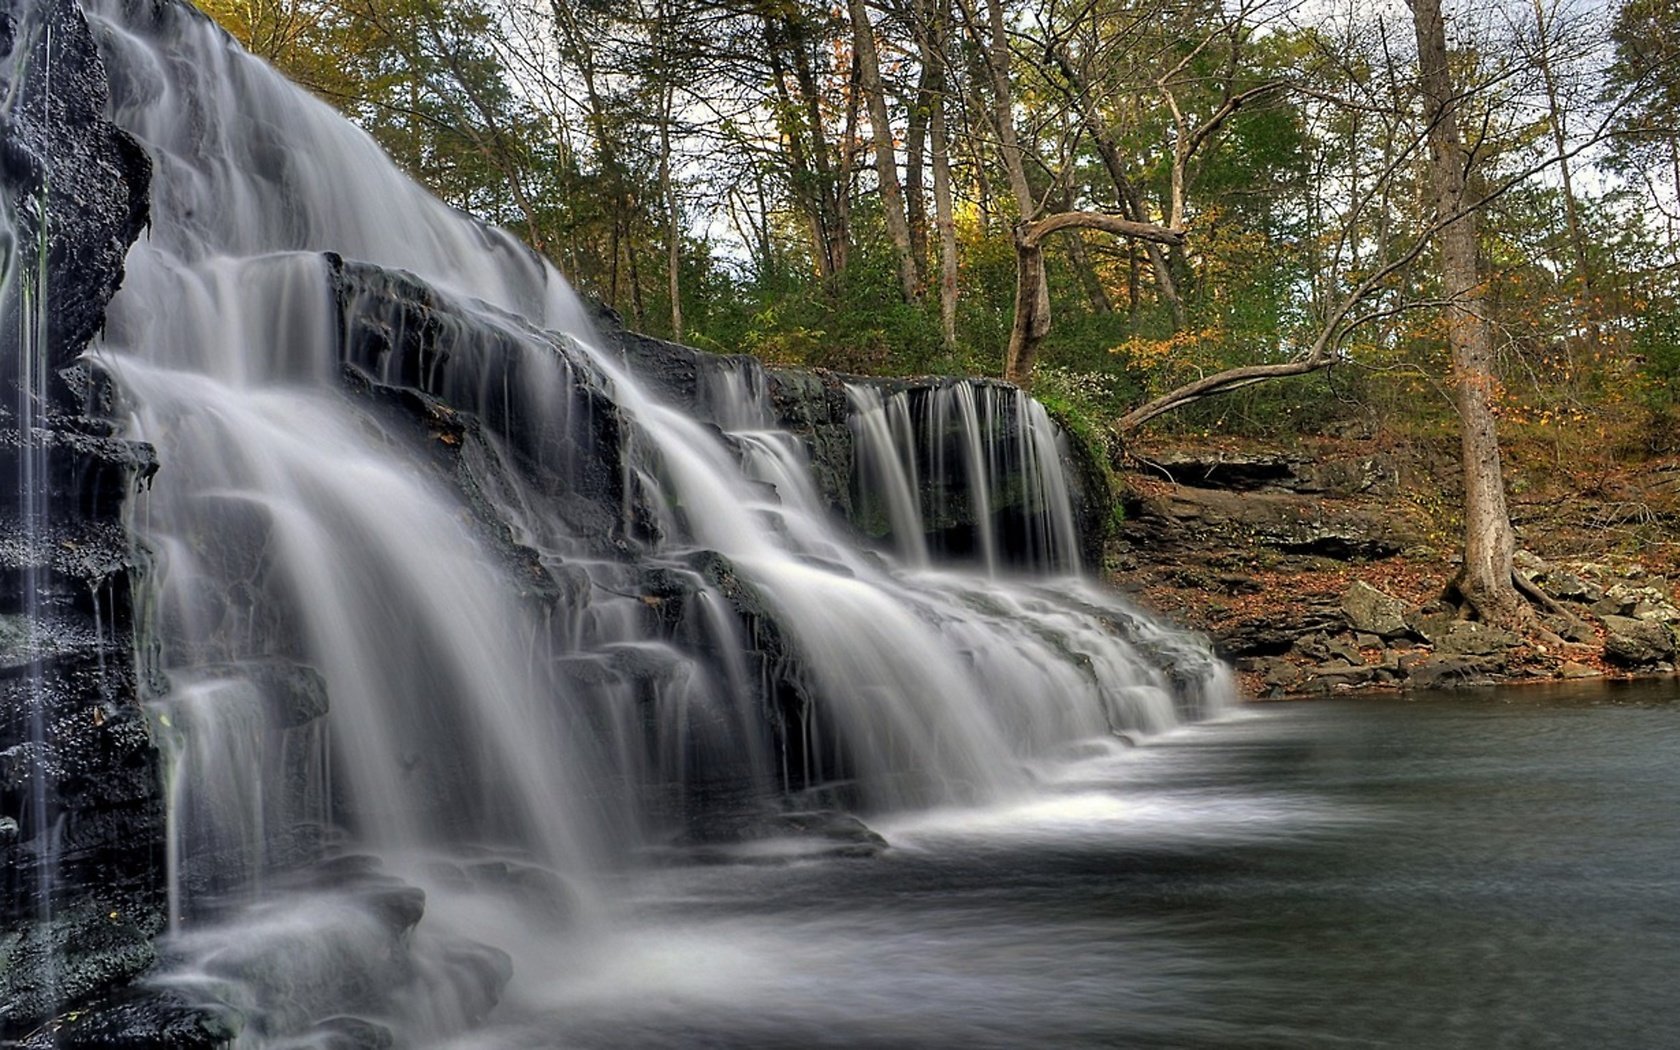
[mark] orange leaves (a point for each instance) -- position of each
(1181, 356)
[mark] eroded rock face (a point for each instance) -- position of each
(66, 170)
(81, 810)
(398, 333)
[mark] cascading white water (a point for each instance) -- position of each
(966, 460)
(496, 752)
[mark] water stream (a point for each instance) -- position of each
(398, 775)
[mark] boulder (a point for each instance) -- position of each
(1278, 673)
(1430, 622)
(1568, 587)
(1574, 669)
(1373, 612)
(1569, 627)
(1323, 649)
(1469, 638)
(1637, 643)
(1434, 671)
(1338, 674)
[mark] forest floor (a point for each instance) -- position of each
(1325, 565)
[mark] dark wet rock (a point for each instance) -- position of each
(1276, 632)
(1374, 612)
(776, 836)
(149, 1020)
(1277, 672)
(1431, 623)
(68, 168)
(1286, 523)
(80, 953)
(1637, 643)
(67, 572)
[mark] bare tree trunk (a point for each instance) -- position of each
(673, 219)
(1560, 142)
(1489, 543)
(848, 157)
(886, 156)
(1032, 322)
(1089, 279)
(1003, 106)
(1032, 303)
(832, 189)
(915, 142)
(975, 105)
(944, 211)
(807, 185)
(638, 309)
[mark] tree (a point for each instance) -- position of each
(1487, 581)
(886, 153)
(1646, 67)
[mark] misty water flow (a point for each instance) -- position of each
(399, 774)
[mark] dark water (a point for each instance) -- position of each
(1489, 870)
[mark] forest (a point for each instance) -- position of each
(1264, 217)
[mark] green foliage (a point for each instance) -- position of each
(553, 121)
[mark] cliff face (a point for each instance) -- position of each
(81, 806)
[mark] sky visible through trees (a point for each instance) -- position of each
(1121, 202)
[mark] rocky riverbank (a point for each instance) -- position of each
(1323, 568)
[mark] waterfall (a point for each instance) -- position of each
(459, 616)
(966, 443)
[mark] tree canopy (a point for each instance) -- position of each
(1129, 203)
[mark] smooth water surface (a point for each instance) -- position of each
(1493, 869)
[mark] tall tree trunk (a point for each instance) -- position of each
(915, 142)
(974, 105)
(1003, 107)
(886, 155)
(1032, 300)
(1089, 279)
(638, 309)
(1586, 305)
(944, 211)
(848, 156)
(1489, 543)
(832, 190)
(673, 218)
(806, 184)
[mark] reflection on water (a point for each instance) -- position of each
(1497, 870)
